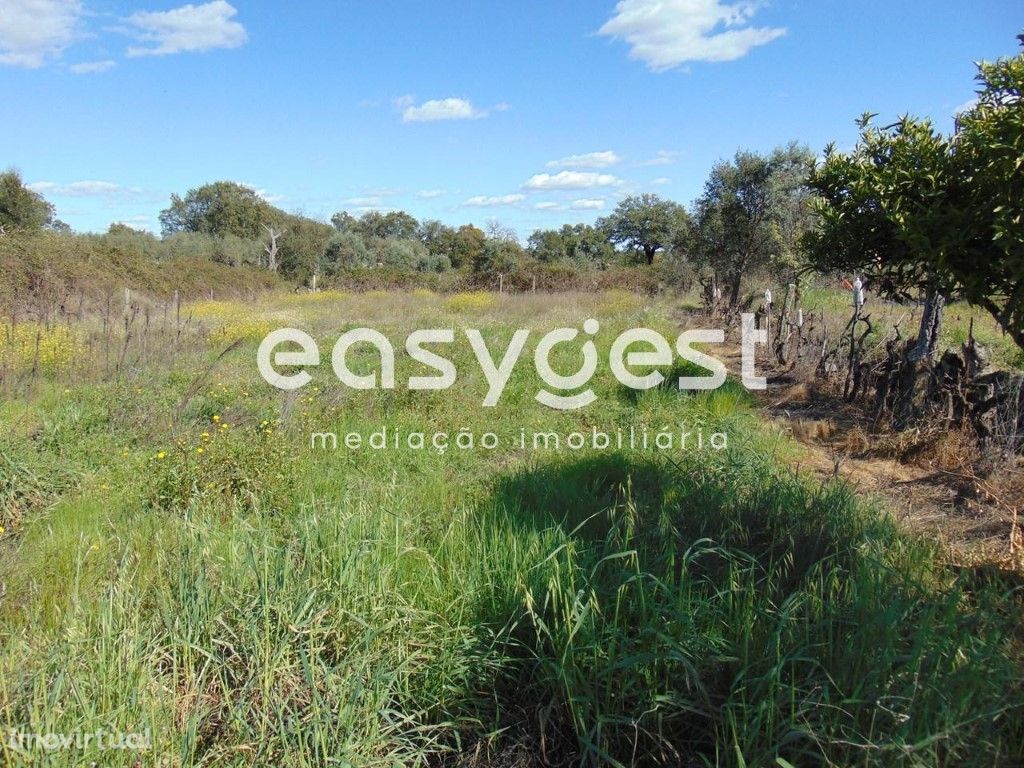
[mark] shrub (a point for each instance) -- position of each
(346, 250)
(247, 468)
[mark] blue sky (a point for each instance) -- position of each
(532, 113)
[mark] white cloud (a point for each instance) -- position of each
(663, 157)
(439, 109)
(588, 205)
(92, 67)
(80, 189)
(431, 194)
(190, 28)
(548, 206)
(138, 222)
(967, 106)
(589, 160)
(33, 31)
(263, 193)
(269, 197)
(369, 201)
(484, 201)
(660, 181)
(667, 33)
(571, 180)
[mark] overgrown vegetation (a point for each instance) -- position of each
(259, 601)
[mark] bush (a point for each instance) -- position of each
(346, 250)
(247, 468)
(48, 272)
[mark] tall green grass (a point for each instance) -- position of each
(265, 604)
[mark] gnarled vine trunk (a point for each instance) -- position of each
(931, 327)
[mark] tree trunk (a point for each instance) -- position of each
(931, 326)
(649, 254)
(734, 290)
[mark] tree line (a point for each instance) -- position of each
(917, 214)
(751, 209)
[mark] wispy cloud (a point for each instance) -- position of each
(439, 109)
(431, 194)
(145, 223)
(661, 181)
(663, 157)
(267, 196)
(548, 205)
(587, 161)
(587, 205)
(383, 191)
(367, 201)
(484, 201)
(92, 67)
(571, 180)
(967, 106)
(33, 32)
(82, 189)
(666, 33)
(188, 29)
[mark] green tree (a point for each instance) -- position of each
(645, 223)
(499, 256)
(410, 255)
(988, 260)
(752, 215)
(393, 225)
(344, 221)
(20, 207)
(920, 212)
(548, 245)
(345, 250)
(438, 238)
(890, 209)
(301, 248)
(221, 208)
(588, 245)
(467, 246)
(581, 244)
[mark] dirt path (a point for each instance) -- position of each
(928, 491)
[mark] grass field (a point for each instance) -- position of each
(177, 559)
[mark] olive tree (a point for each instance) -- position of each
(752, 214)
